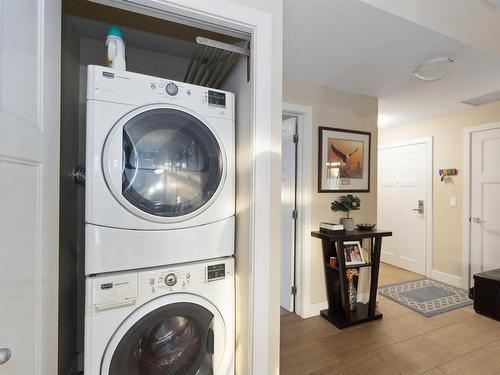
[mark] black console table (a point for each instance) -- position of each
(339, 311)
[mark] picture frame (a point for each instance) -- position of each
(343, 160)
(353, 253)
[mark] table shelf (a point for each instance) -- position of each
(339, 311)
(347, 267)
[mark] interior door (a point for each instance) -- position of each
(485, 201)
(288, 204)
(29, 185)
(401, 205)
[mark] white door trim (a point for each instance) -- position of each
(429, 142)
(466, 248)
(258, 24)
(303, 306)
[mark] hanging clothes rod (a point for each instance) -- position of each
(212, 61)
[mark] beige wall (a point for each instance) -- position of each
(448, 153)
(341, 110)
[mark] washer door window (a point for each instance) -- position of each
(172, 164)
(176, 339)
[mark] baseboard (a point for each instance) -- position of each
(447, 278)
(313, 309)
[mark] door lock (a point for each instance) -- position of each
(420, 208)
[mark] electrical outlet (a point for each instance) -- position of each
(452, 202)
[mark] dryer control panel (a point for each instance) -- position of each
(124, 87)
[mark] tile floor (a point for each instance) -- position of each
(403, 342)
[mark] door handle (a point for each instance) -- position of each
(420, 208)
(5, 354)
(476, 220)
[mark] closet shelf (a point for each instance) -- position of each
(212, 61)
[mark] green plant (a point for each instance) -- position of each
(346, 203)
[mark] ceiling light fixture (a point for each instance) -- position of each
(434, 69)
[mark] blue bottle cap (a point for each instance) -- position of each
(115, 31)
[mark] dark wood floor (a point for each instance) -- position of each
(457, 342)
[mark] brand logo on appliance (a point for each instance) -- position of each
(108, 74)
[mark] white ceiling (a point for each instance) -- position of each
(352, 46)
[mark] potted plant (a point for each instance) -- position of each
(347, 203)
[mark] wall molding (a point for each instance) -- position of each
(313, 309)
(447, 278)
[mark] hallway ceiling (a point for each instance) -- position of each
(356, 47)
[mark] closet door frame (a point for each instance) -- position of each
(241, 20)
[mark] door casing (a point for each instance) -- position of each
(235, 18)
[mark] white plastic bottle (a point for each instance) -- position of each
(115, 49)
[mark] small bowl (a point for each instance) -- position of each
(365, 226)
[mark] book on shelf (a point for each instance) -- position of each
(330, 227)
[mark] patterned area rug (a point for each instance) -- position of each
(427, 297)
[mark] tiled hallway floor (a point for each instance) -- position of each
(403, 342)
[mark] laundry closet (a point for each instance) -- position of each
(166, 49)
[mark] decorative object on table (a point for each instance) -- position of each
(365, 226)
(353, 253)
(346, 203)
(445, 174)
(344, 160)
(330, 227)
(352, 290)
(426, 297)
(333, 261)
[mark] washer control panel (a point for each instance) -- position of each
(191, 278)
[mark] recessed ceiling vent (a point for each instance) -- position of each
(480, 100)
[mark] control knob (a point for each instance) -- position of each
(172, 89)
(171, 279)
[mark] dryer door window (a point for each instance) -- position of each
(176, 339)
(172, 163)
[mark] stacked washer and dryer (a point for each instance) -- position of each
(159, 226)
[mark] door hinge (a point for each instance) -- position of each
(294, 290)
(295, 214)
(295, 138)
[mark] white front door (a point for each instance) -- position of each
(402, 206)
(288, 182)
(29, 185)
(485, 201)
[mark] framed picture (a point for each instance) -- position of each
(343, 160)
(353, 253)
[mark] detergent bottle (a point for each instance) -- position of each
(115, 49)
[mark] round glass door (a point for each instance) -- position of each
(176, 339)
(172, 163)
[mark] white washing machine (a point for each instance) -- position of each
(174, 320)
(159, 172)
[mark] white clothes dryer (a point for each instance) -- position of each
(159, 171)
(173, 320)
